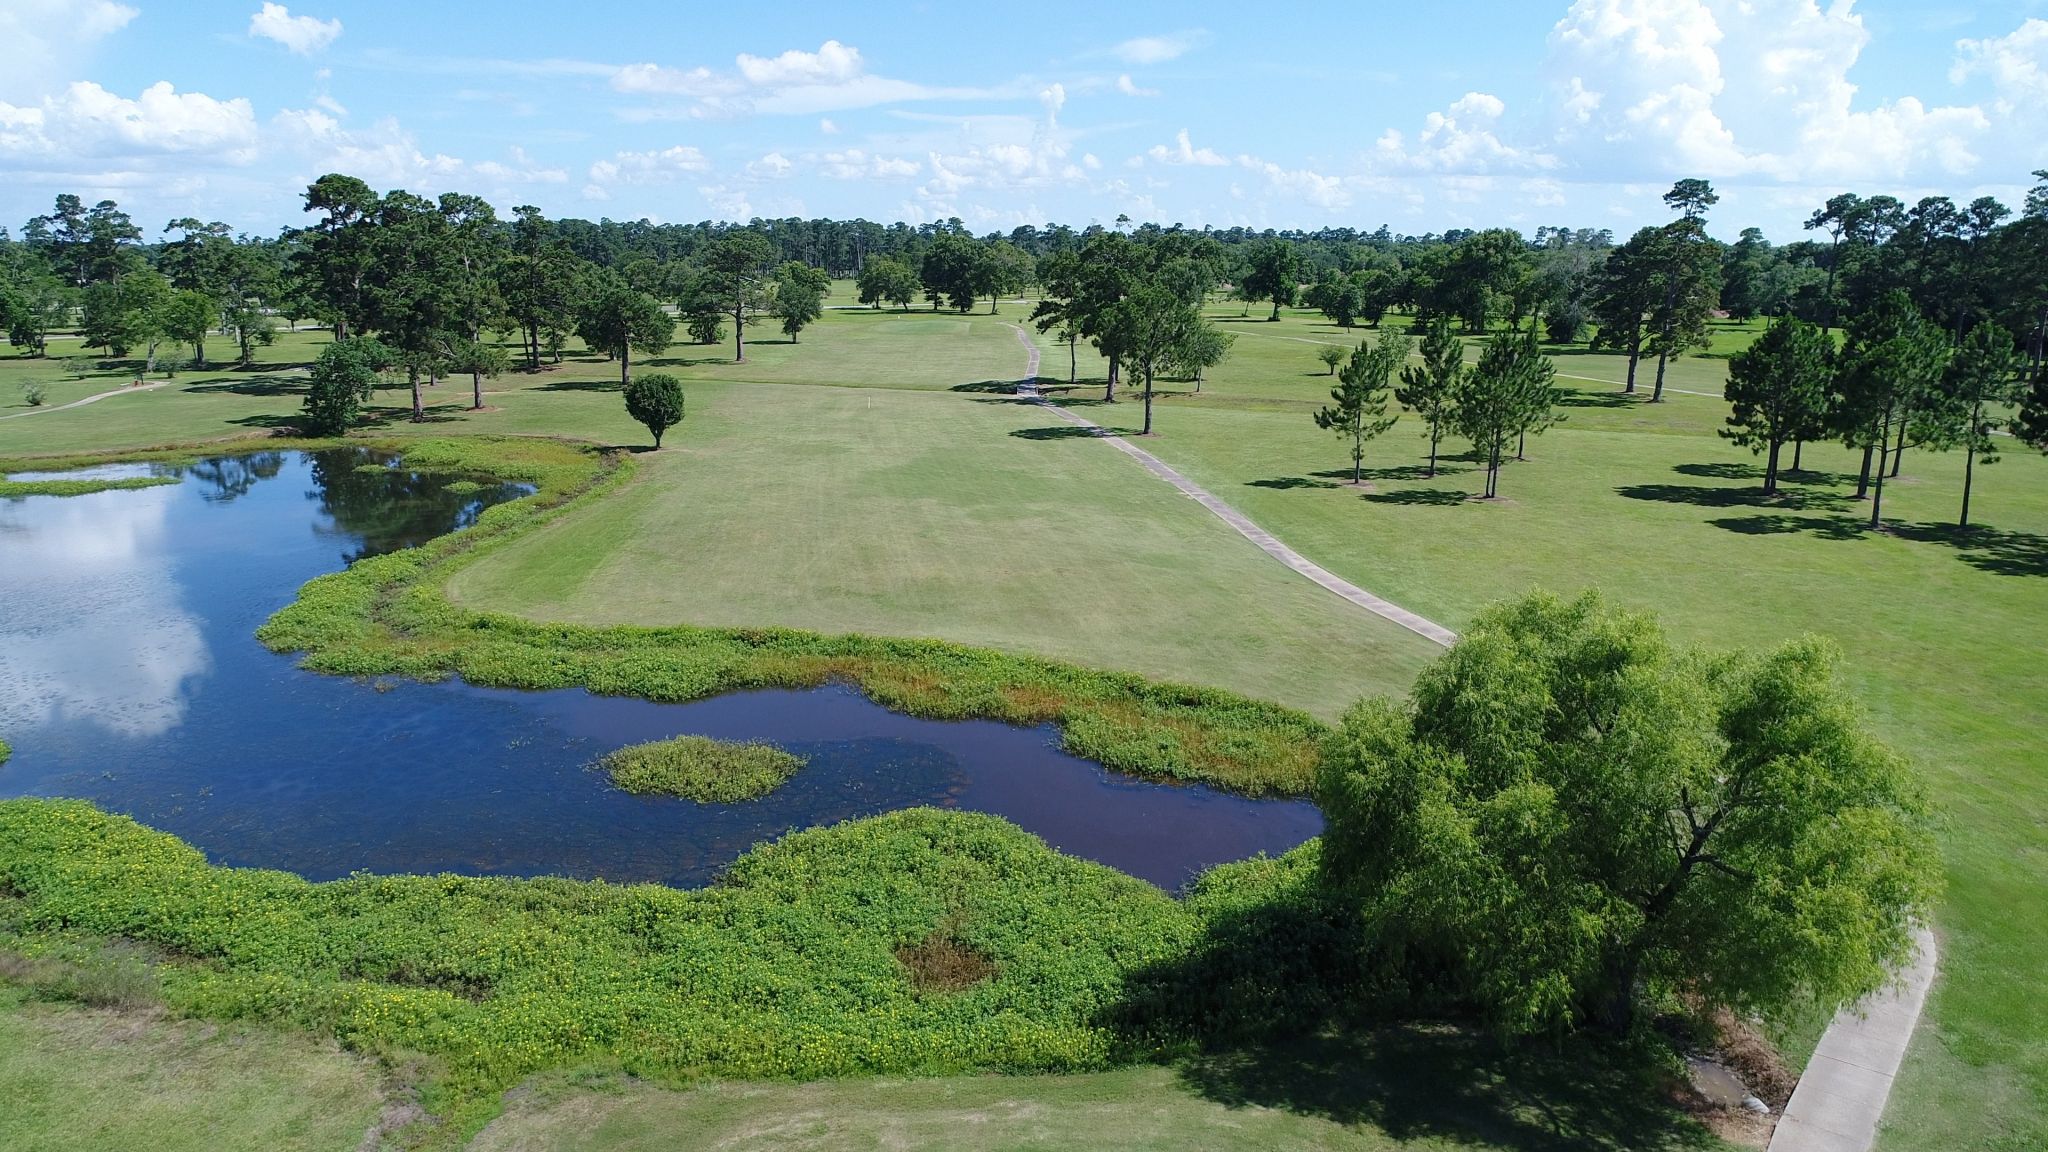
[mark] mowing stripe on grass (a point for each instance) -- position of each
(1267, 542)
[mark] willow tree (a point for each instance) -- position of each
(1571, 816)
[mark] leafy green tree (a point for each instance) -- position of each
(1059, 274)
(951, 271)
(1779, 389)
(537, 280)
(705, 327)
(1000, 268)
(1272, 271)
(1331, 356)
(616, 320)
(1204, 347)
(1431, 389)
(336, 254)
(1358, 409)
(342, 378)
(482, 360)
(1151, 323)
(799, 296)
(1689, 274)
(1571, 816)
(184, 318)
(34, 306)
(1981, 381)
(655, 400)
(1625, 292)
(885, 279)
(734, 280)
(1889, 365)
(1510, 393)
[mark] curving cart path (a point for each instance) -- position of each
(1841, 1097)
(93, 399)
(1027, 388)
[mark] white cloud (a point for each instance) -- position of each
(657, 167)
(773, 165)
(796, 83)
(1734, 89)
(832, 63)
(1460, 139)
(1327, 192)
(2017, 64)
(1129, 87)
(855, 164)
(47, 41)
(828, 127)
(86, 121)
(1184, 152)
(1157, 49)
(304, 35)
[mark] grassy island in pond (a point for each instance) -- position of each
(702, 769)
(60, 487)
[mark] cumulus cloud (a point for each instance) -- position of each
(304, 35)
(1129, 87)
(1184, 152)
(796, 83)
(47, 39)
(2017, 64)
(773, 165)
(1327, 192)
(855, 164)
(87, 121)
(1157, 49)
(1460, 139)
(1741, 88)
(654, 167)
(827, 127)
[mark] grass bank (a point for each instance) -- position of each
(17, 488)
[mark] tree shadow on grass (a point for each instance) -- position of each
(1780, 524)
(579, 386)
(1995, 550)
(1285, 482)
(1596, 400)
(1427, 497)
(1396, 472)
(994, 387)
(1062, 432)
(253, 386)
(1755, 472)
(1707, 496)
(267, 421)
(1451, 1084)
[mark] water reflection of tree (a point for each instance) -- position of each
(385, 509)
(223, 478)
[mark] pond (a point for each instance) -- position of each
(130, 676)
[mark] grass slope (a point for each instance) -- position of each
(983, 522)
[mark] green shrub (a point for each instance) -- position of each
(701, 769)
(34, 392)
(79, 487)
(789, 967)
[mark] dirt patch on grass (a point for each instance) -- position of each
(941, 963)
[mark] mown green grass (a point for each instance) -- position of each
(1940, 628)
(908, 514)
(19, 488)
(701, 769)
(87, 1080)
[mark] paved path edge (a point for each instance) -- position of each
(1027, 389)
(1840, 1100)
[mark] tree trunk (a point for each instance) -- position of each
(1276, 308)
(1899, 449)
(199, 353)
(533, 345)
(476, 390)
(1109, 386)
(419, 409)
(1969, 471)
(625, 366)
(149, 360)
(1073, 362)
(1635, 356)
(1148, 402)
(1771, 470)
(1863, 477)
(1521, 446)
(1798, 449)
(739, 347)
(1432, 451)
(1877, 494)
(1657, 396)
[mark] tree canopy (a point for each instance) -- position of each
(1571, 814)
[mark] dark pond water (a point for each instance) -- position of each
(130, 676)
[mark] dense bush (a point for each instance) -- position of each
(701, 769)
(787, 968)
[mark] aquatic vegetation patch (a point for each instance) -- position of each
(701, 769)
(15, 488)
(789, 967)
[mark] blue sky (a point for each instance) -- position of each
(1421, 117)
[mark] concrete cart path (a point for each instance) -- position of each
(1028, 389)
(1841, 1098)
(98, 396)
